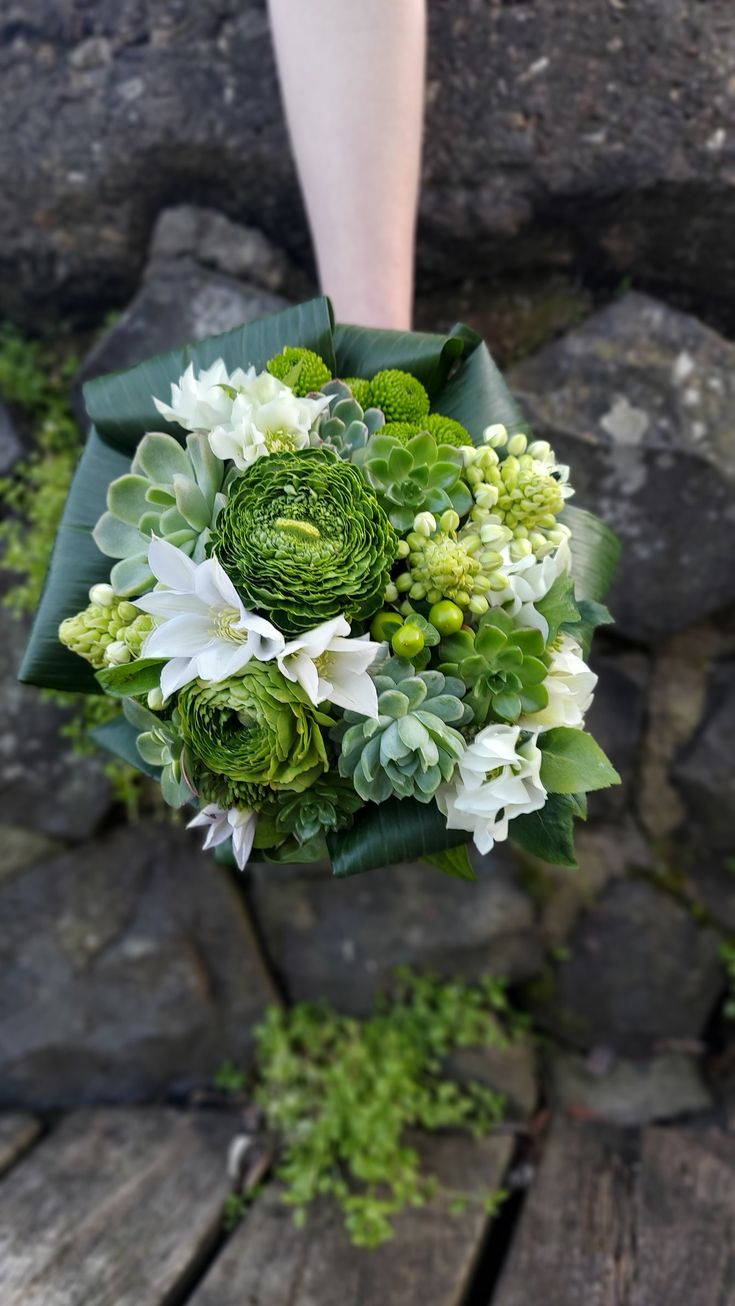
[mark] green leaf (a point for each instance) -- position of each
(573, 762)
(121, 405)
(398, 830)
(454, 861)
(362, 351)
(76, 564)
(477, 396)
(591, 615)
(558, 606)
(595, 553)
(119, 737)
(548, 833)
(133, 678)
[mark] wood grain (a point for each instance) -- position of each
(113, 1208)
(17, 1132)
(268, 1262)
(618, 1218)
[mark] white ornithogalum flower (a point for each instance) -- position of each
(332, 668)
(266, 417)
(497, 779)
(203, 626)
(529, 580)
(199, 402)
(570, 685)
(221, 824)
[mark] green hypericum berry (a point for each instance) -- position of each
(447, 617)
(303, 539)
(301, 369)
(446, 430)
(361, 390)
(400, 396)
(407, 642)
(384, 625)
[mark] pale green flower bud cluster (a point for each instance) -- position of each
(108, 633)
(523, 491)
(445, 564)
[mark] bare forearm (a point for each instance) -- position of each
(352, 75)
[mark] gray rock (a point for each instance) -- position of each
(22, 848)
(609, 133)
(639, 400)
(341, 941)
(640, 971)
(704, 775)
(213, 241)
(617, 719)
(179, 302)
(11, 445)
(127, 966)
(44, 785)
(628, 1092)
(510, 1070)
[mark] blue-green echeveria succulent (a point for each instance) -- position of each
(170, 491)
(413, 745)
(346, 426)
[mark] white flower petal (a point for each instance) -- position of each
(170, 566)
(180, 636)
(177, 673)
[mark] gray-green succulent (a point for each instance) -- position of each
(161, 744)
(413, 745)
(419, 476)
(346, 426)
(170, 491)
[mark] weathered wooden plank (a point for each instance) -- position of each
(685, 1209)
(574, 1243)
(17, 1132)
(268, 1262)
(113, 1209)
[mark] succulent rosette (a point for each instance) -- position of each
(340, 595)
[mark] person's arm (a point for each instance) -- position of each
(352, 78)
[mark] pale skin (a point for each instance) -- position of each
(352, 80)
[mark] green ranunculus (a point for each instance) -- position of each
(303, 538)
(257, 728)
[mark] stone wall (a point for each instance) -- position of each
(131, 966)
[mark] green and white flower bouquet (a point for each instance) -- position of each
(340, 594)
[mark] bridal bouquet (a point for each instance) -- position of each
(340, 594)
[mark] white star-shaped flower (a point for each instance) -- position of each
(221, 824)
(333, 668)
(496, 780)
(265, 417)
(199, 402)
(204, 628)
(570, 685)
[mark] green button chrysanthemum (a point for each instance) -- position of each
(257, 728)
(303, 538)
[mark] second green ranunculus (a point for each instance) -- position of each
(257, 728)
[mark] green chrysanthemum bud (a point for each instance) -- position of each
(505, 667)
(300, 369)
(402, 431)
(400, 396)
(361, 391)
(446, 430)
(257, 728)
(304, 539)
(413, 746)
(110, 632)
